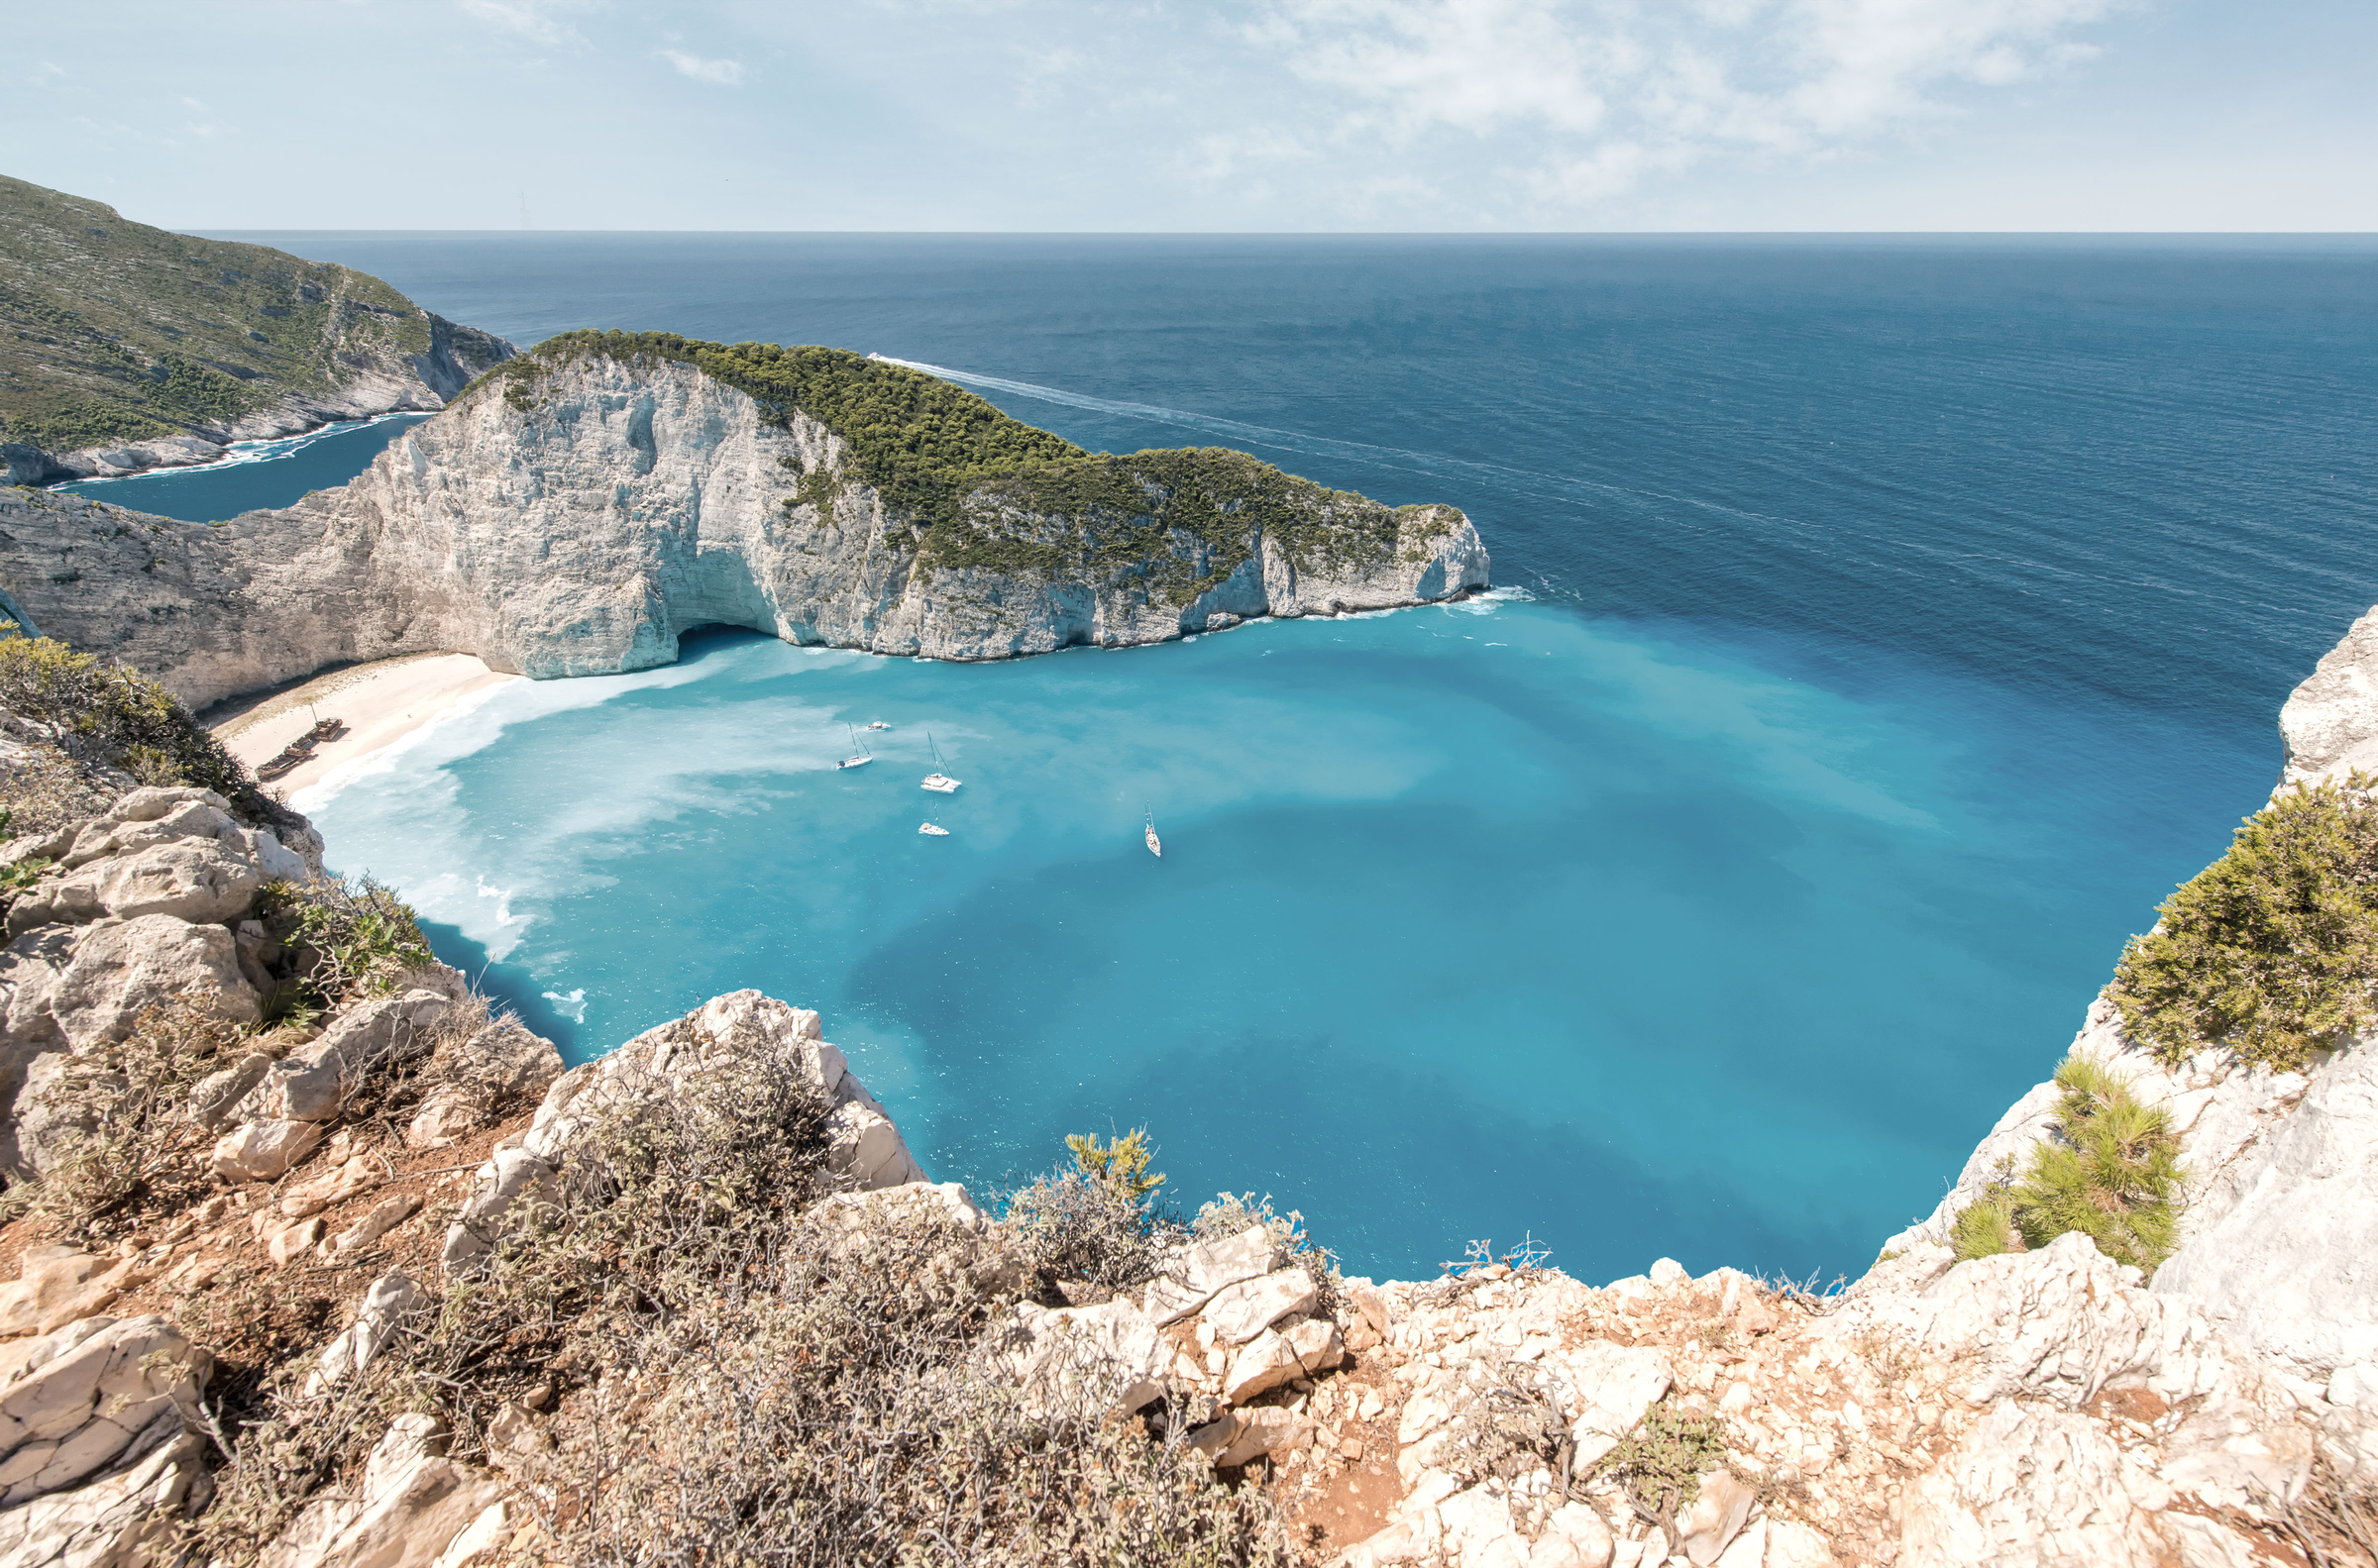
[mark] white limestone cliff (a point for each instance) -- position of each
(586, 534)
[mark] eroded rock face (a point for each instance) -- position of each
(2331, 721)
(583, 538)
(2285, 1266)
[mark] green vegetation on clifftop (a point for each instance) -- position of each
(983, 491)
(2110, 1169)
(2272, 950)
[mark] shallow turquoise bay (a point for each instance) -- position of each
(1472, 921)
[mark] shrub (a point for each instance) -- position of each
(1093, 1224)
(350, 938)
(2110, 1169)
(113, 715)
(2272, 950)
(1121, 1163)
(1660, 1463)
(735, 1376)
(1985, 1227)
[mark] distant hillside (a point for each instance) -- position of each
(124, 347)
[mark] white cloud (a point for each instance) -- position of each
(536, 20)
(1606, 94)
(725, 72)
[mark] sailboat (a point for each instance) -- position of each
(936, 781)
(1155, 844)
(935, 832)
(860, 756)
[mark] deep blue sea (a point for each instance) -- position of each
(1896, 622)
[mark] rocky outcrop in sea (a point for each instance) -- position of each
(632, 500)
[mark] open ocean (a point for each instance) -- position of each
(1894, 623)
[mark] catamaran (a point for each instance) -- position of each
(936, 781)
(936, 832)
(860, 756)
(1155, 844)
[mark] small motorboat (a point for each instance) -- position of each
(877, 724)
(860, 756)
(939, 782)
(1155, 844)
(932, 831)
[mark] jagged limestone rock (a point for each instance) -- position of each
(1202, 1271)
(1240, 1311)
(79, 1413)
(2284, 1267)
(114, 1518)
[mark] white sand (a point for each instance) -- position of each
(381, 702)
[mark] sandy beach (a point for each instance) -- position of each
(382, 703)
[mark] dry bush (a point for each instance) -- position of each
(1510, 1425)
(134, 1145)
(739, 1375)
(1072, 1229)
(42, 790)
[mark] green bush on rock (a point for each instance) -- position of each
(2272, 950)
(111, 715)
(2110, 1170)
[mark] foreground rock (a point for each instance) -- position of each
(714, 1040)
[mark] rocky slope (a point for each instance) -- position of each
(124, 347)
(577, 517)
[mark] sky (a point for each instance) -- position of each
(1221, 116)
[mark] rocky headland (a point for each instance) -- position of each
(321, 1262)
(578, 510)
(130, 347)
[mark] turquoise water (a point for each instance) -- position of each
(1907, 617)
(254, 474)
(1471, 921)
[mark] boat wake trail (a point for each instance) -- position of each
(1236, 429)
